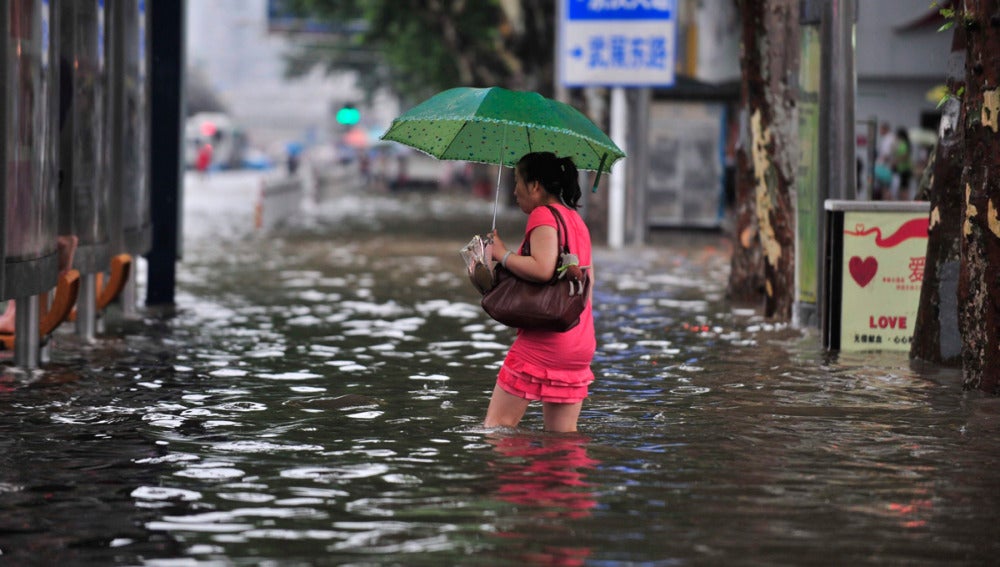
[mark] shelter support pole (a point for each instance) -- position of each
(165, 155)
(86, 308)
(129, 294)
(616, 182)
(26, 339)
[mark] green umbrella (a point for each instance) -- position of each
(496, 125)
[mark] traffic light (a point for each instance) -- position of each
(348, 115)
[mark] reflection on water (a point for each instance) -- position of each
(317, 396)
(545, 477)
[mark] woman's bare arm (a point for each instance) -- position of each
(541, 264)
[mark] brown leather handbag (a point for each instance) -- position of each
(554, 305)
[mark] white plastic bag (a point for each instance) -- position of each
(478, 258)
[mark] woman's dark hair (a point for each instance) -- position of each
(557, 175)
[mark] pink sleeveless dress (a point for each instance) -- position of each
(549, 366)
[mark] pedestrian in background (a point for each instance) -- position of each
(902, 165)
(882, 172)
(203, 160)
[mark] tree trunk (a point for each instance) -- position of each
(935, 336)
(746, 273)
(979, 280)
(769, 59)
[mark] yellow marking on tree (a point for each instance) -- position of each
(991, 218)
(991, 109)
(935, 218)
(761, 165)
(970, 211)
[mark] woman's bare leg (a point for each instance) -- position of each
(561, 418)
(506, 410)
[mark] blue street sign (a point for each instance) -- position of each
(617, 42)
(621, 9)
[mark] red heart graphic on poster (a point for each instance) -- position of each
(863, 270)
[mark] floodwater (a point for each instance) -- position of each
(316, 398)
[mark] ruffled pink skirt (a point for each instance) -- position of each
(530, 382)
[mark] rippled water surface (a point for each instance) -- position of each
(316, 398)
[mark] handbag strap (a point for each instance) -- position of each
(560, 222)
(562, 246)
(565, 231)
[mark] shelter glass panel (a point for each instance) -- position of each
(83, 189)
(30, 216)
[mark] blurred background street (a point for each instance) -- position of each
(312, 390)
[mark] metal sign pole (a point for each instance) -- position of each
(616, 182)
(640, 164)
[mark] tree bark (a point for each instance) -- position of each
(979, 279)
(746, 272)
(935, 337)
(769, 59)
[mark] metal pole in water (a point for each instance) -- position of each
(838, 29)
(26, 339)
(616, 189)
(837, 166)
(86, 308)
(129, 295)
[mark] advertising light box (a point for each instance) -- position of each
(876, 253)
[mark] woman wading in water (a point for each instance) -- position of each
(550, 367)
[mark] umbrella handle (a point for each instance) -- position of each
(597, 178)
(496, 196)
(496, 193)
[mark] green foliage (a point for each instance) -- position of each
(952, 15)
(418, 47)
(948, 14)
(951, 95)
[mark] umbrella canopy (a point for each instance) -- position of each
(498, 126)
